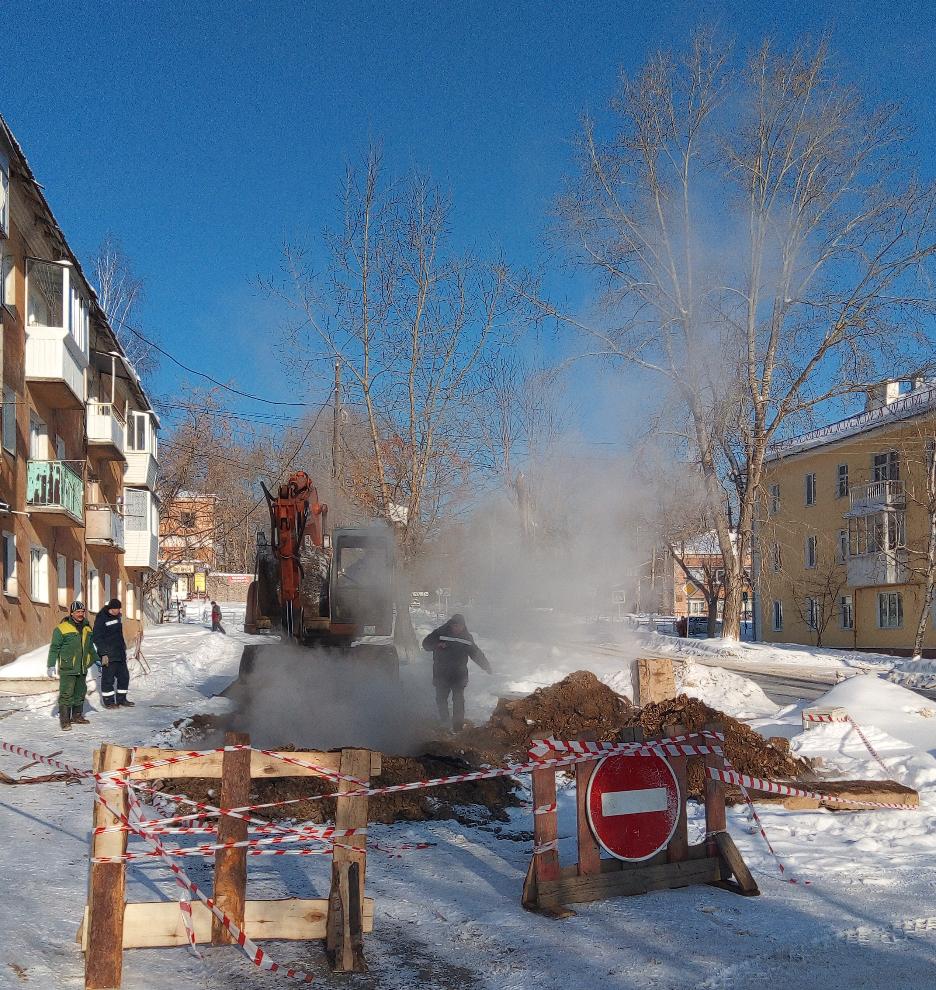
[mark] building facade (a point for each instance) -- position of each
(187, 542)
(843, 532)
(78, 457)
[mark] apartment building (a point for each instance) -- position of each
(78, 454)
(187, 541)
(843, 531)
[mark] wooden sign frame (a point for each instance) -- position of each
(550, 887)
(111, 924)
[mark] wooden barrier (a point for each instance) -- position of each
(549, 886)
(110, 924)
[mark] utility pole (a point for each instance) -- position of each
(336, 428)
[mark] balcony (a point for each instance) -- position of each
(873, 496)
(104, 527)
(55, 367)
(141, 549)
(106, 432)
(141, 470)
(54, 493)
(882, 568)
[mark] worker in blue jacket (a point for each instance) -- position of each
(112, 649)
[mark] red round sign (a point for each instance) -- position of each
(633, 805)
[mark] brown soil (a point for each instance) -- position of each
(578, 706)
(747, 751)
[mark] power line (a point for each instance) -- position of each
(201, 374)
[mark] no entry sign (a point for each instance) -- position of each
(633, 805)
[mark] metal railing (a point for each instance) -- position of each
(55, 485)
(876, 491)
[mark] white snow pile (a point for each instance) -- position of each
(31, 664)
(914, 674)
(722, 689)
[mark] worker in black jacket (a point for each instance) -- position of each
(452, 646)
(109, 642)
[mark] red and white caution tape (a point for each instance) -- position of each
(671, 746)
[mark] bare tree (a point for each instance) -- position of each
(120, 293)
(816, 594)
(759, 247)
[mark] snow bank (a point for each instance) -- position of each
(32, 664)
(728, 692)
(914, 674)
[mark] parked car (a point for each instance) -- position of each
(698, 627)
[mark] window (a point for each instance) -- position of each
(130, 602)
(810, 551)
(94, 591)
(107, 588)
(8, 281)
(842, 545)
(135, 510)
(811, 489)
(841, 487)
(61, 575)
(60, 448)
(9, 419)
(886, 467)
(38, 438)
(812, 613)
(847, 612)
(187, 521)
(9, 565)
(777, 559)
(76, 580)
(39, 574)
(138, 432)
(45, 294)
(774, 499)
(890, 610)
(4, 195)
(697, 607)
(777, 615)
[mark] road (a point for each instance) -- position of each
(782, 683)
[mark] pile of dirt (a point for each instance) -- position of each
(489, 797)
(747, 751)
(576, 705)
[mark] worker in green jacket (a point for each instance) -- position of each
(72, 651)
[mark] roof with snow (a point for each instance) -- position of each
(912, 404)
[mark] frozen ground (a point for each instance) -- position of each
(449, 917)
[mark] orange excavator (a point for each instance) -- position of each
(333, 591)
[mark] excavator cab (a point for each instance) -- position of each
(360, 580)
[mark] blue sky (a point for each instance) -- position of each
(204, 134)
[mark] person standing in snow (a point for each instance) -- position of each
(216, 617)
(112, 649)
(72, 651)
(452, 646)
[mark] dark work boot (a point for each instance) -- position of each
(77, 717)
(126, 702)
(65, 717)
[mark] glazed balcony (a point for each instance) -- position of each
(107, 432)
(141, 470)
(104, 527)
(871, 570)
(55, 493)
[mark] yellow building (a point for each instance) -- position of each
(843, 530)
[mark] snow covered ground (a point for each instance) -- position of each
(449, 916)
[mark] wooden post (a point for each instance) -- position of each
(715, 818)
(678, 848)
(345, 919)
(107, 881)
(589, 852)
(546, 825)
(230, 877)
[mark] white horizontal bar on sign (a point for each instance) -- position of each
(634, 802)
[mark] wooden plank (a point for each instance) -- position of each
(107, 881)
(678, 848)
(230, 874)
(734, 865)
(578, 890)
(656, 680)
(589, 852)
(156, 924)
(260, 765)
(545, 826)
(715, 817)
(349, 813)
